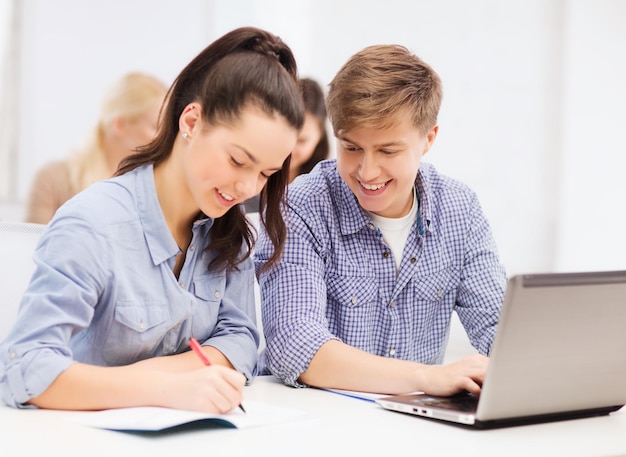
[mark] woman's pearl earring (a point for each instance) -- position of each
(185, 135)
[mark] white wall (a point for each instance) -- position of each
(531, 115)
(592, 215)
(73, 50)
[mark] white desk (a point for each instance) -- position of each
(335, 426)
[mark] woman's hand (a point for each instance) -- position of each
(213, 389)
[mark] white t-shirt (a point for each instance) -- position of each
(396, 230)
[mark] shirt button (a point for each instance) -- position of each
(392, 304)
(371, 226)
(217, 294)
(353, 300)
(12, 355)
(439, 293)
(386, 254)
(392, 352)
(413, 260)
(142, 325)
(191, 247)
(176, 326)
(182, 284)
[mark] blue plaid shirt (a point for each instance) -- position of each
(337, 278)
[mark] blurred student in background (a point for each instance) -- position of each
(313, 144)
(128, 119)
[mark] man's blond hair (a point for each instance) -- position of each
(381, 83)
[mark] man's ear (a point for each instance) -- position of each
(190, 120)
(430, 138)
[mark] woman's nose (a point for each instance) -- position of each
(246, 187)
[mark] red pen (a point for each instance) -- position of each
(195, 347)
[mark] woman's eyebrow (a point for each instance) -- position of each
(246, 152)
(253, 159)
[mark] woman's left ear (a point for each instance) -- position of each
(189, 120)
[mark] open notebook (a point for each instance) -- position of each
(559, 353)
(157, 419)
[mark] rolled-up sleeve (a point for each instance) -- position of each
(293, 294)
(57, 304)
(483, 281)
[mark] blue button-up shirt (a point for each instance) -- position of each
(104, 292)
(337, 278)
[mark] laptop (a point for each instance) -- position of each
(559, 353)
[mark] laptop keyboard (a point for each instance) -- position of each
(465, 402)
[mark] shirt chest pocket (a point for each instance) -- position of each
(209, 290)
(436, 286)
(137, 329)
(352, 292)
(140, 318)
(352, 308)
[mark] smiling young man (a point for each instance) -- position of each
(381, 247)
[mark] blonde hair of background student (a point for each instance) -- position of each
(128, 119)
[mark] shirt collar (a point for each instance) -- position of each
(161, 243)
(352, 218)
(424, 194)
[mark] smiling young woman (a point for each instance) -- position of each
(132, 268)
